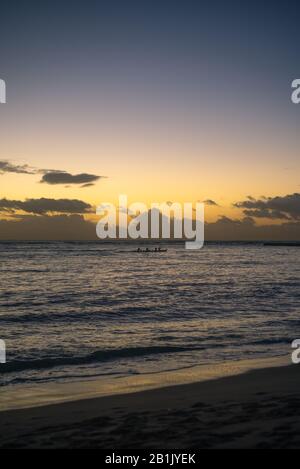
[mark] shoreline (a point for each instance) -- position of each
(256, 409)
(30, 396)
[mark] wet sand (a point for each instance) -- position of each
(256, 409)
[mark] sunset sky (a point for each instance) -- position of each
(179, 101)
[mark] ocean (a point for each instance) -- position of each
(76, 311)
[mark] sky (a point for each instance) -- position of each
(162, 101)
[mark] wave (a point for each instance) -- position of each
(271, 341)
(98, 356)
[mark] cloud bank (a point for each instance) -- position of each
(76, 227)
(63, 219)
(281, 207)
(43, 206)
(48, 228)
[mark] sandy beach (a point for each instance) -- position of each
(256, 409)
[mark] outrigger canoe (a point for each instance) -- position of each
(150, 250)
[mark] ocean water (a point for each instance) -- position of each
(72, 311)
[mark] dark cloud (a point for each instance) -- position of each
(280, 207)
(62, 177)
(43, 206)
(56, 227)
(76, 227)
(90, 184)
(7, 167)
(50, 176)
(265, 213)
(227, 221)
(210, 202)
(227, 229)
(248, 221)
